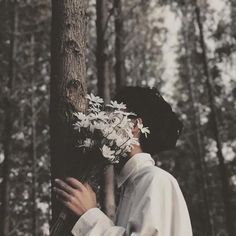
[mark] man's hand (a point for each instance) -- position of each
(74, 195)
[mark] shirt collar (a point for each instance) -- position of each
(133, 165)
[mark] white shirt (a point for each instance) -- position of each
(151, 204)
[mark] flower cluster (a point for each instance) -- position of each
(106, 127)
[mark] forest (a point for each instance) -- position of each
(52, 53)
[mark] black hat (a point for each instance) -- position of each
(157, 115)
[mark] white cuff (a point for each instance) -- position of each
(87, 221)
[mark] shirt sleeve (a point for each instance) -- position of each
(95, 223)
(159, 209)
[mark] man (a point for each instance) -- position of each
(151, 202)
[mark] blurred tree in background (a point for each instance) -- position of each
(185, 48)
(25, 189)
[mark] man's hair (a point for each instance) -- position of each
(156, 114)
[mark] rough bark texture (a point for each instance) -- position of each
(68, 87)
(108, 199)
(5, 209)
(222, 168)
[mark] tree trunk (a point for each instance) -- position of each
(7, 145)
(104, 91)
(119, 47)
(33, 144)
(199, 152)
(233, 18)
(101, 52)
(215, 123)
(68, 86)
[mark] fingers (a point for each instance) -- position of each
(74, 195)
(64, 186)
(73, 208)
(62, 194)
(66, 199)
(67, 203)
(70, 201)
(75, 183)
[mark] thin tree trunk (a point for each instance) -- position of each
(119, 47)
(7, 145)
(104, 91)
(215, 123)
(233, 18)
(208, 219)
(68, 85)
(101, 52)
(33, 144)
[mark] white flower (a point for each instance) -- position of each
(112, 135)
(108, 153)
(124, 113)
(107, 130)
(80, 115)
(128, 149)
(94, 109)
(95, 99)
(98, 116)
(118, 152)
(99, 126)
(77, 126)
(124, 122)
(116, 105)
(116, 120)
(119, 140)
(88, 142)
(129, 132)
(82, 124)
(143, 130)
(85, 123)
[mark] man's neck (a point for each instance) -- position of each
(136, 149)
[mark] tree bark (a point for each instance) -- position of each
(108, 199)
(68, 86)
(222, 168)
(7, 145)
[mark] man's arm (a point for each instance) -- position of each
(95, 223)
(159, 210)
(81, 200)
